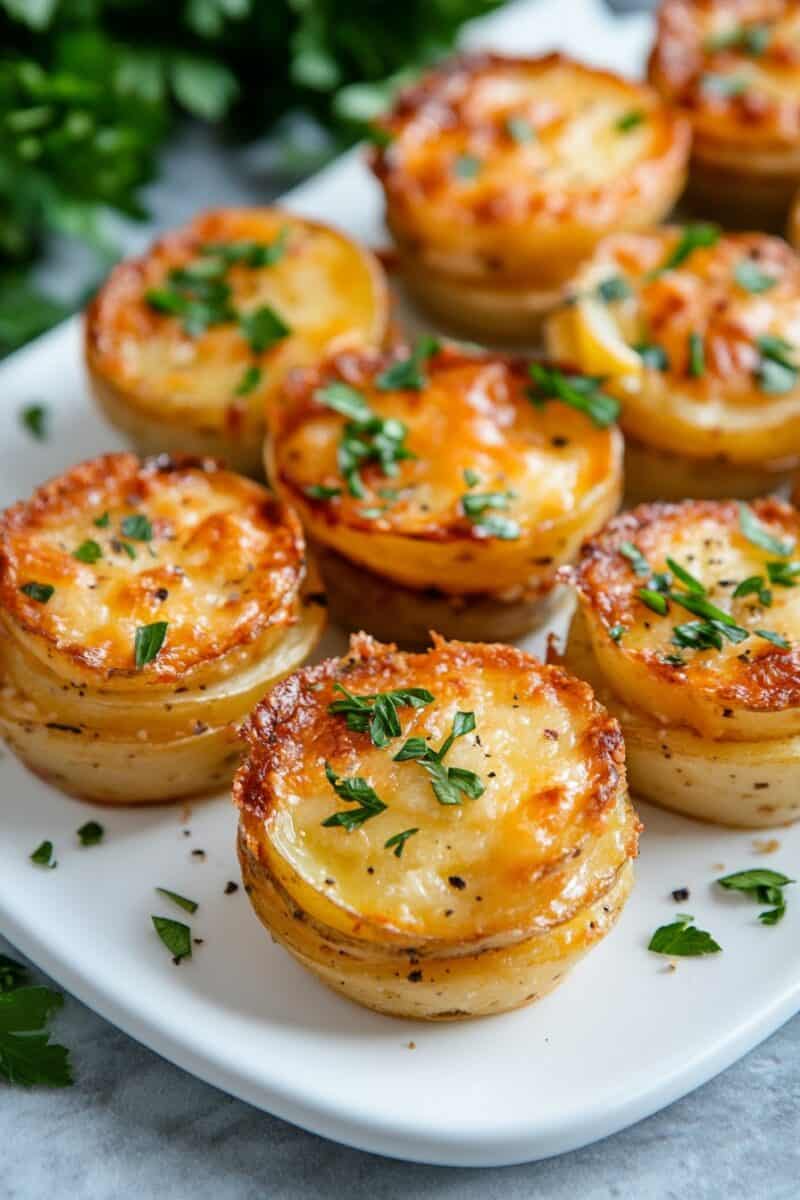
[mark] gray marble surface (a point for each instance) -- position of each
(134, 1125)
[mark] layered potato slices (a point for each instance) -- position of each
(733, 68)
(689, 631)
(186, 346)
(145, 606)
(439, 835)
(698, 333)
(502, 173)
(441, 489)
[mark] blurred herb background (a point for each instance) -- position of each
(91, 89)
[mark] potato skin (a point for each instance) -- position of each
(746, 140)
(169, 391)
(472, 414)
(214, 555)
(492, 244)
(474, 899)
(726, 434)
(747, 690)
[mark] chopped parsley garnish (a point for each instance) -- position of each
(722, 87)
(148, 641)
(197, 295)
(344, 399)
(635, 557)
(251, 378)
(702, 607)
(692, 238)
(777, 372)
(758, 535)
(629, 120)
(27, 1056)
(127, 548)
(496, 526)
(450, 785)
(103, 521)
(88, 551)
(616, 632)
(519, 129)
(246, 253)
(377, 714)
(775, 638)
(176, 936)
(319, 491)
(355, 791)
(190, 906)
(366, 437)
(752, 39)
(764, 887)
(476, 503)
(471, 478)
(682, 939)
(408, 374)
(750, 277)
(43, 855)
(702, 635)
(398, 840)
(475, 506)
(582, 392)
(653, 356)
(613, 288)
(263, 328)
(697, 355)
(36, 419)
(91, 834)
(754, 585)
(467, 166)
(686, 578)
(40, 592)
(137, 527)
(653, 600)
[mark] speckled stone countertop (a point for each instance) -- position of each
(134, 1125)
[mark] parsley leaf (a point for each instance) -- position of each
(616, 632)
(103, 521)
(653, 600)
(398, 841)
(357, 791)
(366, 437)
(613, 288)
(750, 277)
(467, 166)
(777, 373)
(248, 253)
(176, 936)
(319, 491)
(723, 87)
(686, 578)
(377, 713)
(635, 557)
(148, 641)
(775, 638)
(27, 1056)
(251, 378)
(40, 592)
(581, 392)
(407, 374)
(652, 355)
(759, 535)
(190, 906)
(519, 129)
(754, 585)
(752, 39)
(43, 855)
(682, 939)
(692, 238)
(629, 120)
(36, 419)
(784, 574)
(451, 784)
(91, 834)
(697, 355)
(263, 328)
(763, 886)
(137, 527)
(344, 399)
(471, 478)
(88, 551)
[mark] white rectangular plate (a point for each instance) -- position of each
(623, 1036)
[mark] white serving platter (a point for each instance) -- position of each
(624, 1035)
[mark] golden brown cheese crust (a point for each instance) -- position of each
(733, 66)
(472, 415)
(706, 538)
(328, 290)
(548, 833)
(723, 408)
(487, 147)
(224, 565)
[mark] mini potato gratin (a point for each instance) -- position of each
(442, 489)
(733, 68)
(502, 173)
(697, 332)
(144, 608)
(187, 346)
(689, 631)
(439, 835)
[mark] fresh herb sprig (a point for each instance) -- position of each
(27, 1056)
(366, 437)
(354, 790)
(582, 392)
(763, 886)
(450, 784)
(376, 713)
(681, 938)
(408, 374)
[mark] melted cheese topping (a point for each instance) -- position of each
(488, 146)
(549, 831)
(329, 291)
(748, 687)
(734, 68)
(556, 473)
(223, 567)
(724, 409)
